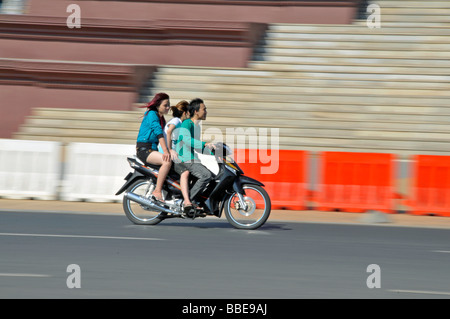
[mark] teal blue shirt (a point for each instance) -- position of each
(150, 130)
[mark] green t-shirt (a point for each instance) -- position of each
(188, 141)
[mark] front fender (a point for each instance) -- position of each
(237, 185)
(130, 179)
(222, 204)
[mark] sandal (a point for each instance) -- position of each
(153, 197)
(187, 208)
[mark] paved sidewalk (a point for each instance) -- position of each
(373, 218)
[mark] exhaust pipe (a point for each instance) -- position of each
(146, 202)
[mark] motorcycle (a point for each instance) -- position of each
(244, 200)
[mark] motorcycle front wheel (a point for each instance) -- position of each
(255, 214)
(137, 213)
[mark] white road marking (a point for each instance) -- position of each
(22, 275)
(78, 236)
(421, 292)
(441, 251)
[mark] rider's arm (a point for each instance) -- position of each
(186, 136)
(170, 129)
(155, 125)
(166, 153)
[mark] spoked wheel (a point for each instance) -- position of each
(255, 214)
(137, 213)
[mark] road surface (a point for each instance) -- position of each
(208, 258)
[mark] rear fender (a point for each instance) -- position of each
(130, 179)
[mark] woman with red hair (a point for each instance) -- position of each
(150, 134)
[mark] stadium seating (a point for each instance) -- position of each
(327, 87)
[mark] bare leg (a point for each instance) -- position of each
(184, 183)
(156, 159)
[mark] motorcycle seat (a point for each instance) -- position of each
(152, 166)
(172, 173)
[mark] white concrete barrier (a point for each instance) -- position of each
(95, 172)
(29, 169)
(92, 172)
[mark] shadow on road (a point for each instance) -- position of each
(219, 224)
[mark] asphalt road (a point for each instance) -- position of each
(207, 258)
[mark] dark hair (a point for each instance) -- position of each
(156, 101)
(195, 106)
(180, 108)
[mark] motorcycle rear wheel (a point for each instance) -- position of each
(257, 212)
(137, 213)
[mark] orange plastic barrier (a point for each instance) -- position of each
(430, 187)
(284, 175)
(355, 182)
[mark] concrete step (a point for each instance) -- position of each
(295, 88)
(356, 145)
(329, 109)
(405, 24)
(296, 97)
(355, 29)
(246, 109)
(349, 68)
(87, 115)
(194, 79)
(69, 132)
(416, 17)
(301, 127)
(397, 61)
(345, 140)
(357, 53)
(79, 125)
(71, 139)
(321, 114)
(246, 134)
(97, 123)
(412, 4)
(421, 120)
(414, 11)
(378, 36)
(357, 45)
(293, 74)
(290, 112)
(353, 134)
(324, 120)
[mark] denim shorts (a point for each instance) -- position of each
(143, 150)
